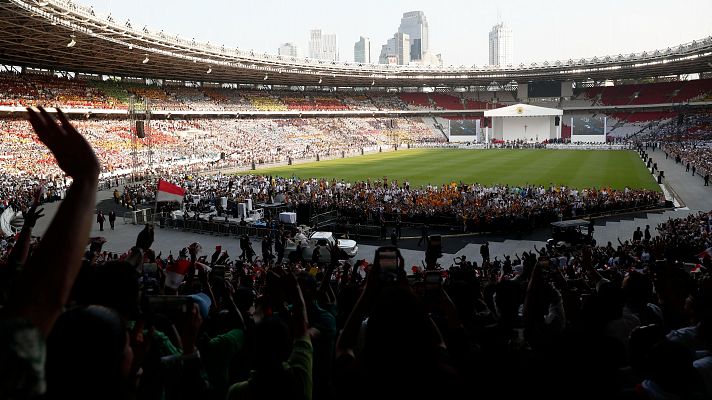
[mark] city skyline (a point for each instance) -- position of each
(458, 29)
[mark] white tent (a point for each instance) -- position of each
(524, 122)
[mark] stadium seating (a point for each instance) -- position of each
(419, 100)
(32, 89)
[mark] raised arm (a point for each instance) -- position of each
(18, 255)
(46, 281)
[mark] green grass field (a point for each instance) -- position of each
(576, 168)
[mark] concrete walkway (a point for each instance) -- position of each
(691, 189)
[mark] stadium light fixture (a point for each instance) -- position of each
(72, 42)
(145, 60)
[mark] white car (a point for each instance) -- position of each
(324, 240)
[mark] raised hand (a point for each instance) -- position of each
(336, 253)
(31, 215)
(73, 153)
(37, 194)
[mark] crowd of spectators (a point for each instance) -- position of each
(469, 207)
(23, 90)
(630, 321)
(687, 140)
(696, 156)
(237, 141)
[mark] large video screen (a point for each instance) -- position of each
(586, 124)
(544, 89)
(463, 127)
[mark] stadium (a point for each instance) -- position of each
(425, 231)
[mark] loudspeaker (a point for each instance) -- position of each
(433, 252)
(139, 130)
(435, 245)
(557, 121)
(303, 214)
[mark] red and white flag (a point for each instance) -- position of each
(705, 254)
(697, 269)
(175, 273)
(169, 192)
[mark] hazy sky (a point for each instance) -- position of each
(542, 30)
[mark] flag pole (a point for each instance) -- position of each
(155, 205)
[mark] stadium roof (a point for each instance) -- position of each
(38, 33)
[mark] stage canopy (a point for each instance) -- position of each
(525, 122)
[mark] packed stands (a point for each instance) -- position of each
(242, 141)
(31, 89)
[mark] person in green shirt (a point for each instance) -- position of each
(282, 366)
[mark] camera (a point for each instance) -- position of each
(390, 262)
(433, 280)
(173, 307)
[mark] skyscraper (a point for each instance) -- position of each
(362, 50)
(315, 44)
(323, 46)
(500, 45)
(396, 50)
(287, 50)
(415, 25)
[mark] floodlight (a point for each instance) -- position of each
(72, 42)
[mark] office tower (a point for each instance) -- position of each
(500, 45)
(287, 50)
(323, 46)
(362, 50)
(415, 25)
(396, 50)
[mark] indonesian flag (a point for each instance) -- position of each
(169, 192)
(175, 273)
(705, 254)
(697, 269)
